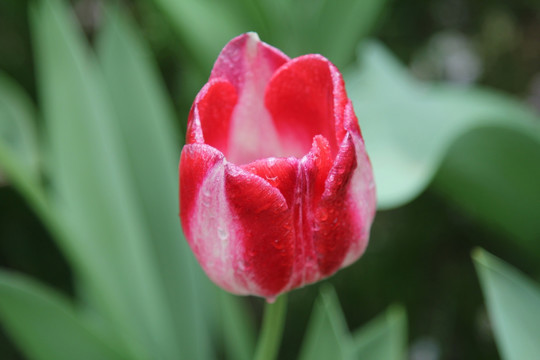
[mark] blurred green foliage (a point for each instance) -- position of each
(513, 302)
(92, 111)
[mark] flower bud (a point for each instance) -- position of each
(276, 188)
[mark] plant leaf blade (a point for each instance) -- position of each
(45, 325)
(513, 303)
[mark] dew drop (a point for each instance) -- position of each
(277, 244)
(222, 233)
(241, 266)
(323, 215)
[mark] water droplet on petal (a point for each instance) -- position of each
(323, 214)
(223, 234)
(277, 244)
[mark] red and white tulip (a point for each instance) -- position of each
(276, 188)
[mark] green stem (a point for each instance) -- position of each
(272, 329)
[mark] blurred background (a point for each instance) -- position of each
(460, 81)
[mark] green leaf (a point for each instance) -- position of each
(19, 159)
(18, 139)
(409, 126)
(513, 303)
(205, 26)
(45, 324)
(346, 20)
(238, 329)
(383, 338)
(287, 24)
(327, 336)
(93, 193)
(331, 28)
(145, 118)
(493, 174)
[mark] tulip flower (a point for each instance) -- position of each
(276, 188)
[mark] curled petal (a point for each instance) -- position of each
(207, 122)
(350, 123)
(306, 97)
(317, 164)
(361, 200)
(265, 231)
(206, 220)
(196, 161)
(248, 64)
(246, 55)
(312, 171)
(334, 228)
(281, 173)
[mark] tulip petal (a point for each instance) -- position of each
(248, 64)
(196, 161)
(306, 97)
(266, 229)
(350, 123)
(246, 54)
(206, 220)
(312, 172)
(208, 223)
(318, 163)
(211, 115)
(361, 200)
(334, 227)
(281, 173)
